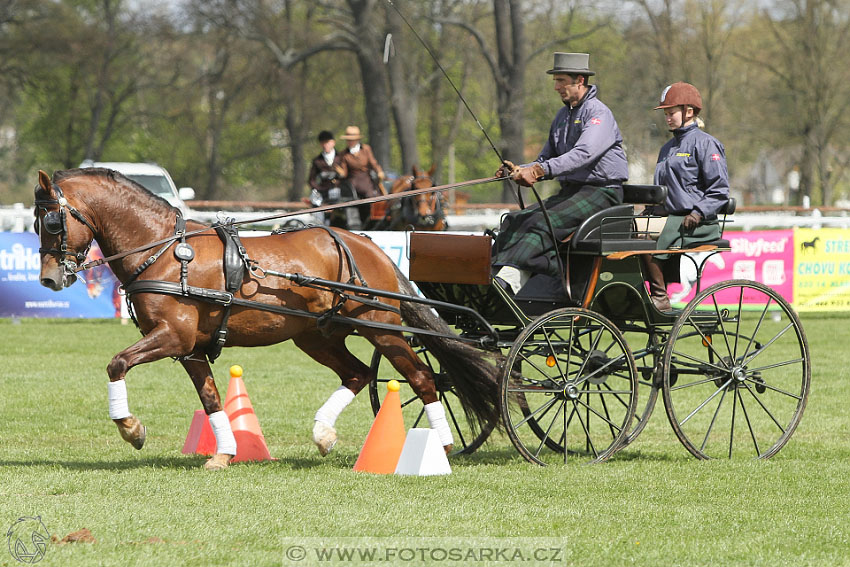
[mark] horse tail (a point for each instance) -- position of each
(473, 372)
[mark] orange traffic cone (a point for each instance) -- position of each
(200, 439)
(383, 445)
(250, 443)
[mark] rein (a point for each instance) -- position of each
(172, 238)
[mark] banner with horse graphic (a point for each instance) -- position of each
(822, 269)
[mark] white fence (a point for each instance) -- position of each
(19, 218)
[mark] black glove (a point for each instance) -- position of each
(505, 170)
(692, 220)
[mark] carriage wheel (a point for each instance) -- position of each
(649, 384)
(736, 375)
(571, 393)
(466, 439)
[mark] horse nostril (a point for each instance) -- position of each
(49, 282)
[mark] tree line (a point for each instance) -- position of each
(229, 95)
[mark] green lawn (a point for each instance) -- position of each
(62, 459)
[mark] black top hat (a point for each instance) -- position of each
(325, 135)
(571, 64)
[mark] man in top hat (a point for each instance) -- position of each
(584, 152)
(357, 162)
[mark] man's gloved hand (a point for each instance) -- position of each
(381, 175)
(692, 220)
(505, 170)
(528, 175)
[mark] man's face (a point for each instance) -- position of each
(328, 145)
(570, 89)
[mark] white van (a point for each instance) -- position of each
(152, 177)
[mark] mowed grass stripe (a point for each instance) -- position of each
(62, 458)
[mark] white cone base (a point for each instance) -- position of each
(423, 455)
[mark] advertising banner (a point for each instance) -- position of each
(21, 294)
(763, 256)
(822, 270)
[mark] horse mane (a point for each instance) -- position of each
(112, 175)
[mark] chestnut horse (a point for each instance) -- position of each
(131, 226)
(423, 211)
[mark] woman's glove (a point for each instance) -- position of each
(692, 220)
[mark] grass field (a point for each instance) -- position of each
(62, 459)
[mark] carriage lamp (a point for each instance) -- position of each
(550, 361)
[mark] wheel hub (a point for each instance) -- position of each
(571, 392)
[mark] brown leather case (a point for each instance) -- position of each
(450, 258)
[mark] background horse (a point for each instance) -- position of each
(422, 212)
(81, 205)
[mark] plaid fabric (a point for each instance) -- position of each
(524, 240)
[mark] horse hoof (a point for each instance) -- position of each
(132, 431)
(218, 462)
(324, 436)
(448, 448)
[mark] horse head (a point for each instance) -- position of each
(423, 211)
(65, 234)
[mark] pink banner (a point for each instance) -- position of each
(763, 256)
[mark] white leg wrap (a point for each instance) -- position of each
(338, 401)
(437, 418)
(117, 393)
(225, 442)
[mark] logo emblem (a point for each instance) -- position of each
(27, 539)
(715, 157)
(595, 120)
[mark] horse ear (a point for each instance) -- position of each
(432, 170)
(44, 181)
(415, 171)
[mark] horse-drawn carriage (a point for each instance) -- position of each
(575, 365)
(588, 356)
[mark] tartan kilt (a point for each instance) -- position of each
(524, 240)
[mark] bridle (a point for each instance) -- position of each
(55, 222)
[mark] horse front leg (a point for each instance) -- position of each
(159, 343)
(225, 443)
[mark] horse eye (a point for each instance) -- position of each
(53, 222)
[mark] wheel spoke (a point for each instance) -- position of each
(700, 362)
(767, 344)
(723, 327)
(775, 389)
(767, 411)
(544, 408)
(750, 426)
(702, 405)
(454, 419)
(689, 384)
(545, 436)
(705, 339)
(775, 365)
(732, 429)
(586, 433)
(758, 326)
(713, 419)
(596, 413)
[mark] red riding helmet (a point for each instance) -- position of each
(681, 94)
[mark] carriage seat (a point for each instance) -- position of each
(613, 229)
(721, 244)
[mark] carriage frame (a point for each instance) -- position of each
(587, 357)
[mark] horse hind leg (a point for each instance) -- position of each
(333, 353)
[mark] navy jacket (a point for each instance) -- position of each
(693, 167)
(585, 145)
